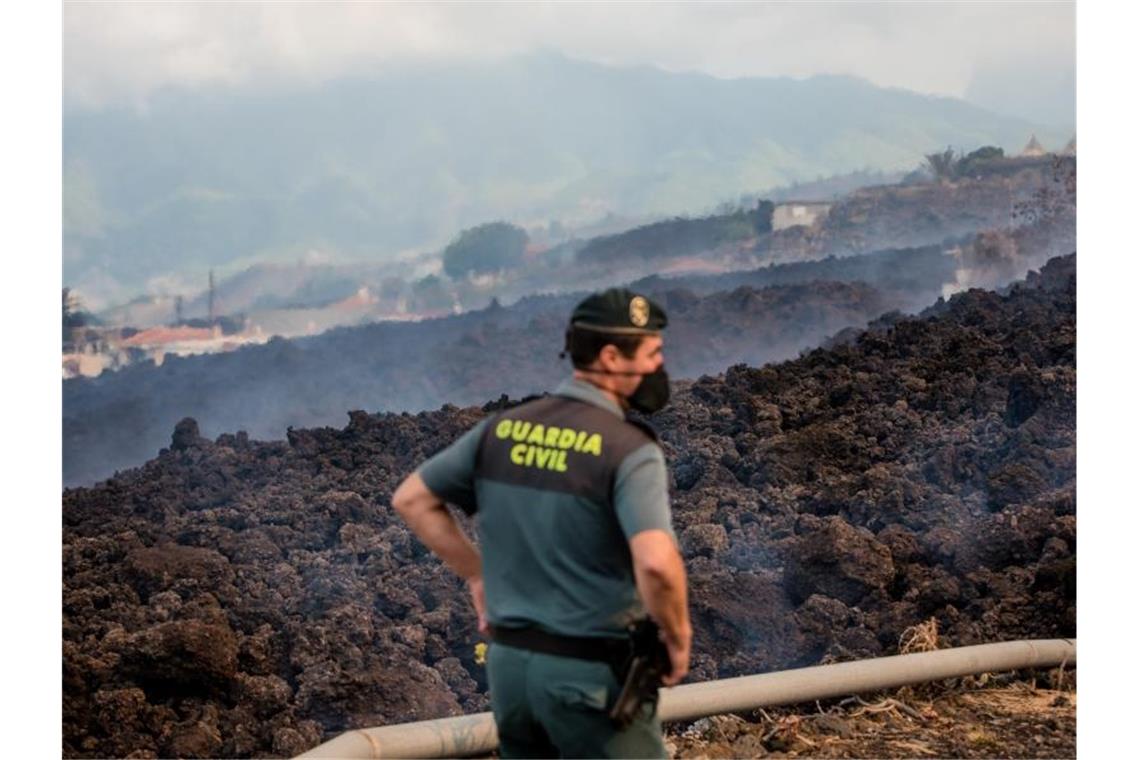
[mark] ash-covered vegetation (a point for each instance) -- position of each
(996, 196)
(898, 271)
(985, 192)
(679, 237)
(242, 598)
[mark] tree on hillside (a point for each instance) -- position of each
(942, 164)
(73, 315)
(70, 307)
(985, 153)
(762, 216)
(491, 247)
(975, 159)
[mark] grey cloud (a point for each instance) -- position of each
(116, 52)
(1037, 91)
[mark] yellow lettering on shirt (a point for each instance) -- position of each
(593, 445)
(537, 435)
(543, 447)
(519, 429)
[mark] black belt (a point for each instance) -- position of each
(601, 649)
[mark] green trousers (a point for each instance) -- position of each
(549, 706)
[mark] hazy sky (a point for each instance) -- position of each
(1016, 56)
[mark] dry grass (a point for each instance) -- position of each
(922, 637)
(1061, 679)
(1020, 698)
(894, 706)
(1017, 720)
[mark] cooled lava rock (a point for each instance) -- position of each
(239, 598)
(835, 559)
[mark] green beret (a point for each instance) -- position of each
(619, 310)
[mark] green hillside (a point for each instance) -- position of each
(364, 168)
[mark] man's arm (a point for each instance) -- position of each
(641, 496)
(427, 517)
(660, 576)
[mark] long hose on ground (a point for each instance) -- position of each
(468, 735)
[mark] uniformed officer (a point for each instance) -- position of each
(571, 505)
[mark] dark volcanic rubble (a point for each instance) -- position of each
(926, 468)
(241, 598)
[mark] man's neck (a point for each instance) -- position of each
(598, 381)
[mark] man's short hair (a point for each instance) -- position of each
(584, 344)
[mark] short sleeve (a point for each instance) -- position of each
(450, 474)
(641, 492)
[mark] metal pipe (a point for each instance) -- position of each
(462, 736)
(697, 700)
(475, 734)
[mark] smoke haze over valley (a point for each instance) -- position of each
(962, 234)
(365, 168)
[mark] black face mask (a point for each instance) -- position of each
(652, 393)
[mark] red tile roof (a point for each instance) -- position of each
(156, 336)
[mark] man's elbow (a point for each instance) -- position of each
(404, 498)
(666, 570)
(655, 557)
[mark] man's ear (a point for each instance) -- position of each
(608, 356)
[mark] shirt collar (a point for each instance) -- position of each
(581, 390)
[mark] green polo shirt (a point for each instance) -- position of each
(556, 549)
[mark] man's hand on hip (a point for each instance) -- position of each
(660, 575)
(475, 586)
(679, 658)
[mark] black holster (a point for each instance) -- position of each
(640, 675)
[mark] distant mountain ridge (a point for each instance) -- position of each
(364, 168)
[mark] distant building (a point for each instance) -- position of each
(798, 214)
(105, 349)
(88, 363)
(1033, 148)
(157, 342)
(1070, 148)
(157, 337)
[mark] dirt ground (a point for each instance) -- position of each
(974, 718)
